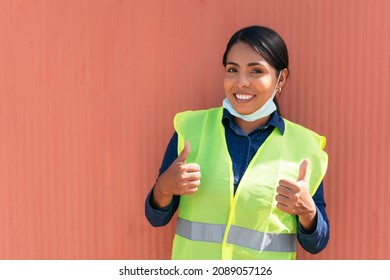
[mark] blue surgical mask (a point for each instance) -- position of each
(267, 109)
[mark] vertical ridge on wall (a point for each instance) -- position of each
(355, 122)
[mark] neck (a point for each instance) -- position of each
(248, 127)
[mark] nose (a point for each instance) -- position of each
(242, 81)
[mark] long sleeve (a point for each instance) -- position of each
(160, 217)
(316, 241)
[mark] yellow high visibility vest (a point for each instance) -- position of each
(215, 223)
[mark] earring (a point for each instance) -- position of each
(278, 88)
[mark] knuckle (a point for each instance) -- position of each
(181, 168)
(181, 185)
(193, 190)
(196, 166)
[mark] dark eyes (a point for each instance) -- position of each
(231, 70)
(253, 71)
(256, 71)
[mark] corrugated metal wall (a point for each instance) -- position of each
(88, 90)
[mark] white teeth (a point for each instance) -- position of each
(244, 96)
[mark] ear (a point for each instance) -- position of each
(283, 77)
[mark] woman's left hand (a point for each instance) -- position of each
(293, 198)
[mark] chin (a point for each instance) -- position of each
(244, 111)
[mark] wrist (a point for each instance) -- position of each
(308, 221)
(159, 198)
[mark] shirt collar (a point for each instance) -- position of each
(276, 120)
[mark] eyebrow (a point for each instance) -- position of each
(249, 64)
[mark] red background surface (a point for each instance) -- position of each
(88, 91)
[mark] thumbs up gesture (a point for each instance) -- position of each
(293, 197)
(180, 178)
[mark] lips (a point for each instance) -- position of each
(243, 97)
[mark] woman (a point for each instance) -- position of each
(246, 181)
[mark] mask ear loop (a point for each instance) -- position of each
(278, 88)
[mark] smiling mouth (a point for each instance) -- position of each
(244, 97)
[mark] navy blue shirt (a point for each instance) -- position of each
(242, 147)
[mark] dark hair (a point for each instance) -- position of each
(267, 42)
(263, 40)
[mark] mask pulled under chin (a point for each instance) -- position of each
(267, 109)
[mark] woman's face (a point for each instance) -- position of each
(249, 80)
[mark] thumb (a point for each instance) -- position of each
(184, 153)
(303, 169)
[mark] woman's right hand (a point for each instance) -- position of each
(180, 178)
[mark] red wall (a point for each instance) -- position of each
(88, 90)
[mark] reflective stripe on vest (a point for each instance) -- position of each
(237, 236)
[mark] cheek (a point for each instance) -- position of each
(227, 84)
